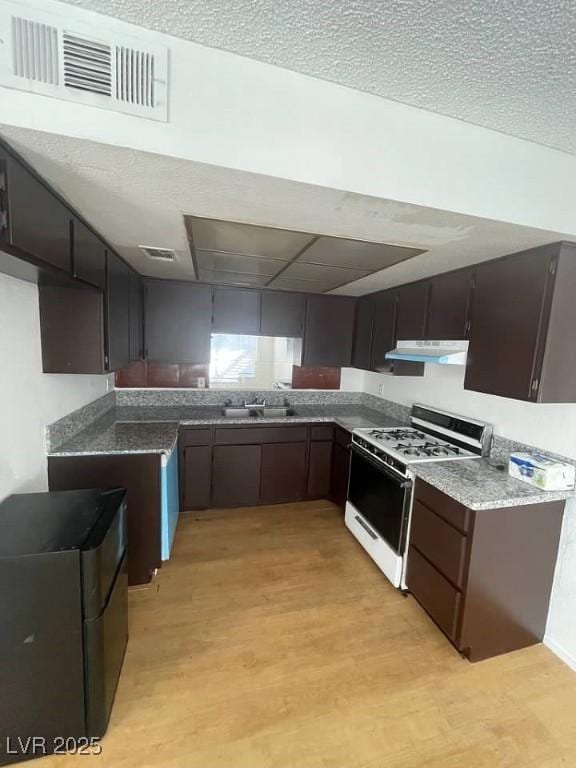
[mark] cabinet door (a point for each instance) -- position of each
(283, 472)
(236, 475)
(329, 330)
(178, 317)
(340, 474)
(236, 310)
(282, 314)
(363, 328)
(319, 470)
(412, 306)
(89, 255)
(196, 468)
(448, 306)
(384, 332)
(39, 224)
(118, 305)
(136, 317)
(508, 307)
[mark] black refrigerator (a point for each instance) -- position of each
(63, 618)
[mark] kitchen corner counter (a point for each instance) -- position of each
(479, 485)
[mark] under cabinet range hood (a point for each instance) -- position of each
(439, 352)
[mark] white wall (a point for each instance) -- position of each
(230, 111)
(551, 427)
(29, 399)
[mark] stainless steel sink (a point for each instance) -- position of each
(239, 412)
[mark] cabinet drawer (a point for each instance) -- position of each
(321, 432)
(259, 435)
(443, 505)
(342, 437)
(442, 544)
(434, 593)
(196, 436)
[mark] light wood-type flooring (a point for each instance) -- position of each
(271, 640)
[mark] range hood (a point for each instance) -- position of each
(439, 352)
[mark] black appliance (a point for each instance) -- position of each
(64, 617)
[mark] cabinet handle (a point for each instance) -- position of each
(3, 220)
(534, 386)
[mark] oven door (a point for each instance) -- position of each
(381, 497)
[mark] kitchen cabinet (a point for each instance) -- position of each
(283, 472)
(282, 314)
(136, 312)
(329, 331)
(38, 223)
(178, 318)
(448, 306)
(384, 330)
(522, 318)
(340, 467)
(489, 568)
(236, 310)
(196, 469)
(118, 311)
(412, 309)
(319, 469)
(363, 333)
(88, 255)
(236, 475)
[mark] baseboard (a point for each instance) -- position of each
(557, 649)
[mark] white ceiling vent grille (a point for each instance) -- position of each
(160, 254)
(97, 67)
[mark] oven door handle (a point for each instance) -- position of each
(400, 481)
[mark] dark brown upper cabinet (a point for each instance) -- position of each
(448, 306)
(118, 311)
(329, 331)
(136, 309)
(178, 318)
(363, 330)
(282, 314)
(236, 310)
(384, 330)
(412, 308)
(37, 223)
(522, 321)
(88, 255)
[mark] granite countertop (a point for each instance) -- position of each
(478, 484)
(154, 429)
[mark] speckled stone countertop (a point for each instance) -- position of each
(154, 429)
(477, 484)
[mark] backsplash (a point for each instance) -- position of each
(143, 374)
(75, 422)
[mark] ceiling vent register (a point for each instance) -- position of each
(93, 67)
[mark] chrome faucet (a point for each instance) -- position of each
(256, 403)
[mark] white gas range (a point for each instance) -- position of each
(381, 484)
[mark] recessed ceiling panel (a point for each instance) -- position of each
(293, 284)
(232, 262)
(231, 278)
(245, 239)
(355, 253)
(321, 273)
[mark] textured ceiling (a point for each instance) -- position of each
(509, 65)
(111, 186)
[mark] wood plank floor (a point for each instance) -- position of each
(271, 640)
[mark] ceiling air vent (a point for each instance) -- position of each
(160, 254)
(46, 54)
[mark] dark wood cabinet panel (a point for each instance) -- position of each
(442, 545)
(329, 331)
(236, 475)
(88, 255)
(136, 339)
(340, 467)
(236, 310)
(440, 599)
(38, 223)
(319, 470)
(384, 330)
(282, 314)
(118, 311)
(140, 475)
(178, 317)
(509, 314)
(448, 306)
(283, 475)
(233, 435)
(363, 330)
(412, 309)
(196, 469)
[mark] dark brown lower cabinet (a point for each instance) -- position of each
(340, 467)
(319, 470)
(283, 474)
(236, 475)
(483, 576)
(140, 475)
(196, 468)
